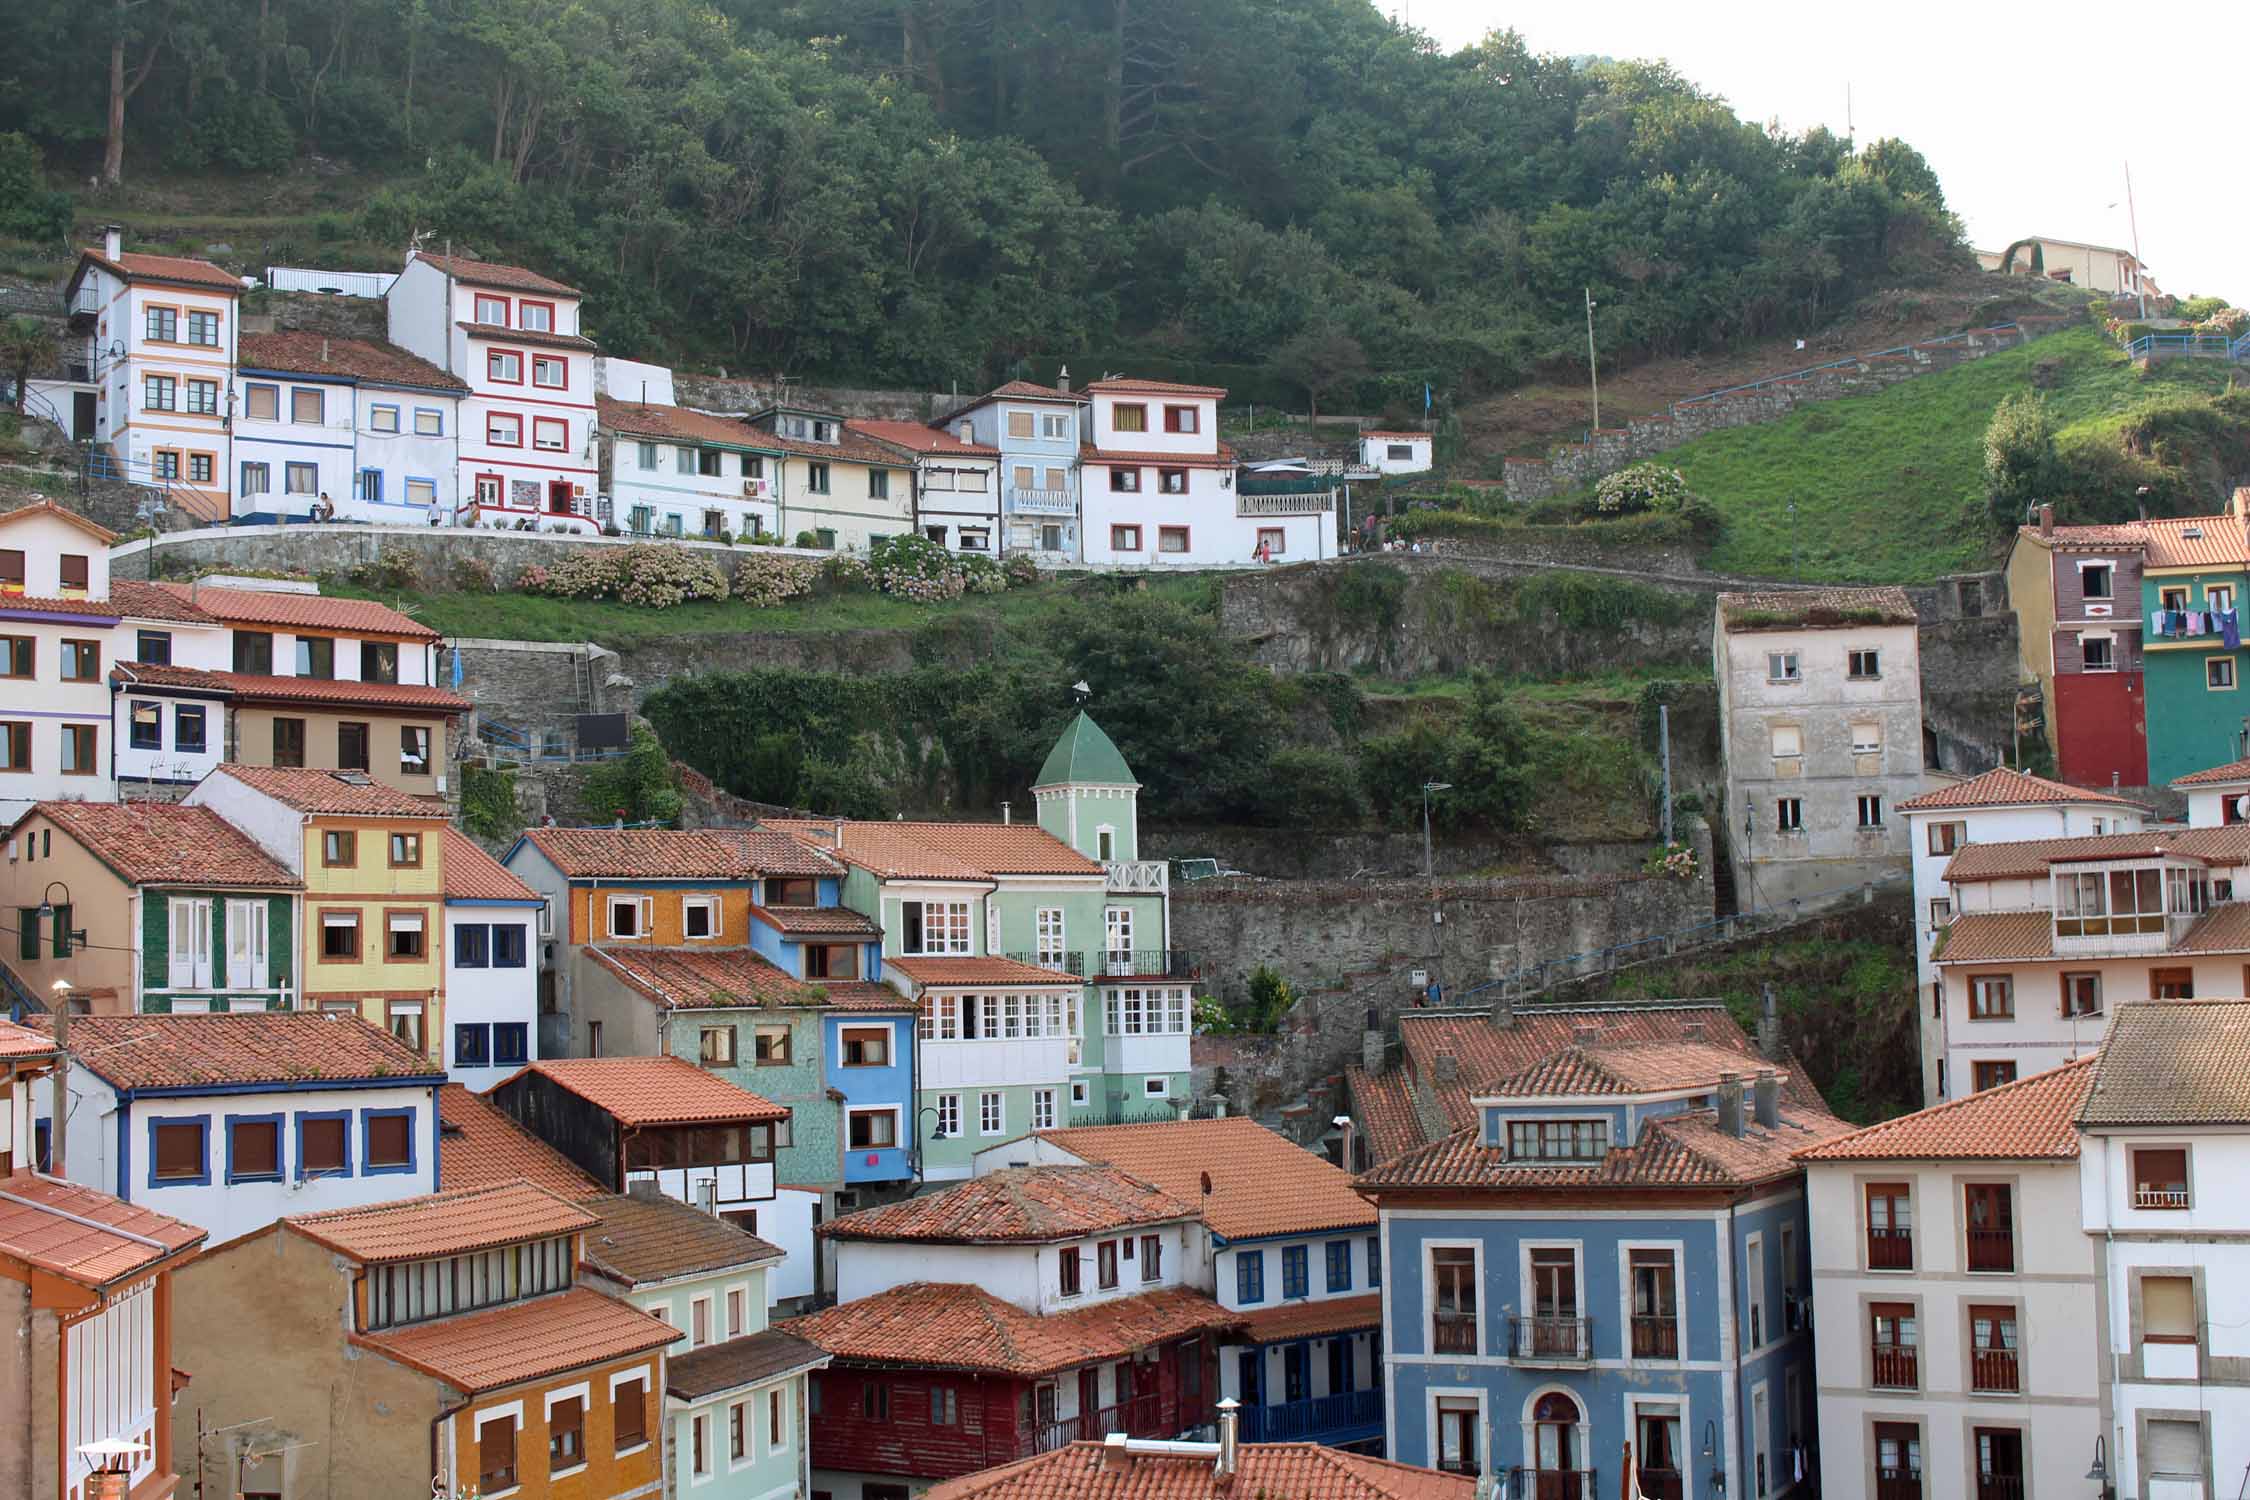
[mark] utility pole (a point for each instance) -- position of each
(2140, 281)
(1593, 375)
(1664, 753)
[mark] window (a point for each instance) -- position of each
(378, 661)
(382, 418)
(816, 478)
(1558, 1140)
(254, 1148)
(716, 1047)
(472, 1045)
(1863, 664)
(289, 742)
(1339, 1256)
(871, 1129)
(1867, 738)
(1070, 1268)
(1152, 1258)
(553, 372)
(504, 366)
(1105, 1265)
(770, 1044)
(2218, 596)
(153, 647)
(878, 484)
(145, 728)
(159, 392)
(413, 750)
(339, 848)
(2081, 995)
(1296, 1277)
(15, 746)
(1990, 1226)
(1992, 997)
(1788, 741)
(503, 429)
(390, 1139)
(1125, 481)
(203, 397)
(949, 1115)
(2174, 1448)
(2121, 902)
(935, 927)
(511, 1040)
(1870, 810)
(538, 317)
(699, 916)
(1125, 418)
(2095, 653)
(1992, 1349)
(875, 1401)
(316, 657)
(1789, 815)
(167, 463)
(2160, 1177)
(81, 660)
(1249, 1276)
(1181, 419)
(1655, 1287)
(18, 656)
(1398, 451)
(187, 728)
(1890, 1227)
(403, 1018)
(79, 755)
(1042, 1109)
(2168, 1310)
(403, 938)
(300, 479)
(1944, 838)
(1894, 1345)
(163, 325)
(1990, 1075)
(1453, 1300)
(2094, 580)
(1374, 1260)
(308, 404)
(2218, 674)
(2173, 599)
(1898, 1461)
(2171, 984)
(202, 468)
(492, 310)
(428, 422)
(551, 434)
(1172, 482)
(628, 1422)
(566, 1434)
(1781, 666)
(1019, 424)
(1125, 538)
(992, 1113)
(1457, 1436)
(865, 1046)
(496, 1454)
(339, 936)
(1171, 539)
(178, 1149)
(406, 851)
(262, 403)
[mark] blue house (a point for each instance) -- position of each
(1038, 429)
(1614, 1254)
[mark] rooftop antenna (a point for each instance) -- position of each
(2132, 220)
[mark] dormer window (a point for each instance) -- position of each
(1558, 1141)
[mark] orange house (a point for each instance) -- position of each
(472, 1356)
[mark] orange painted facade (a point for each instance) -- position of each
(603, 1473)
(663, 914)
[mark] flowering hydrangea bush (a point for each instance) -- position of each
(2229, 321)
(766, 581)
(650, 575)
(1675, 860)
(1639, 487)
(914, 567)
(1021, 571)
(981, 575)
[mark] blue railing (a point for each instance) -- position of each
(1344, 1418)
(510, 743)
(1848, 361)
(101, 463)
(2190, 345)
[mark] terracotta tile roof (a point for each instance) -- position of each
(2223, 929)
(2233, 770)
(33, 604)
(473, 875)
(442, 1223)
(762, 1356)
(2195, 542)
(656, 1090)
(502, 333)
(279, 1046)
(866, 995)
(20, 1042)
(1298, 1471)
(2002, 787)
(921, 438)
(683, 424)
(945, 972)
(677, 854)
(327, 792)
(163, 843)
(263, 607)
(850, 447)
(2032, 1119)
(177, 269)
(1026, 390)
(941, 851)
(652, 1239)
(1383, 1104)
(482, 1146)
(180, 681)
(87, 524)
(1122, 385)
(2104, 538)
(1995, 937)
(136, 600)
(339, 692)
(520, 1341)
(945, 1325)
(1310, 1319)
(1621, 1068)
(493, 274)
(362, 359)
(1815, 609)
(82, 1235)
(2032, 857)
(2173, 1062)
(704, 978)
(1018, 1205)
(818, 921)
(1223, 459)
(1261, 1183)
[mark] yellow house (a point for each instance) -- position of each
(372, 860)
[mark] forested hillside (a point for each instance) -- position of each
(928, 191)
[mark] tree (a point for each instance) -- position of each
(1319, 361)
(1903, 169)
(24, 344)
(2019, 457)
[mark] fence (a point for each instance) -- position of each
(338, 283)
(2190, 346)
(176, 493)
(509, 745)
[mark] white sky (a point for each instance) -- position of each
(2028, 113)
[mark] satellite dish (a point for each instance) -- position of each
(2242, 807)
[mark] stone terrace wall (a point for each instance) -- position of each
(747, 393)
(1575, 465)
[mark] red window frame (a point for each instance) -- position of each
(494, 377)
(559, 363)
(541, 424)
(1275, 539)
(1167, 478)
(483, 298)
(1124, 479)
(524, 302)
(1185, 534)
(492, 442)
(1194, 414)
(499, 489)
(1117, 542)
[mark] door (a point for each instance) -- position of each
(1655, 1326)
(1555, 1455)
(1249, 1367)
(1295, 1373)
(1341, 1376)
(1999, 1463)
(190, 959)
(1090, 1403)
(1898, 1461)
(82, 416)
(246, 945)
(1554, 1301)
(558, 497)
(1656, 1449)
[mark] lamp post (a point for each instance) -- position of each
(47, 912)
(1711, 1457)
(937, 1134)
(2099, 1473)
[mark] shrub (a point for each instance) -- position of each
(474, 575)
(845, 574)
(914, 567)
(640, 787)
(247, 132)
(1021, 571)
(488, 802)
(981, 575)
(768, 581)
(387, 570)
(648, 574)
(807, 539)
(28, 209)
(1640, 487)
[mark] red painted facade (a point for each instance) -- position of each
(878, 1419)
(2100, 729)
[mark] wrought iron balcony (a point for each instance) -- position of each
(1146, 963)
(1073, 964)
(1554, 1484)
(1551, 1341)
(1342, 1418)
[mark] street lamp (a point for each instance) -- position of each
(2099, 1473)
(47, 909)
(1429, 787)
(1711, 1456)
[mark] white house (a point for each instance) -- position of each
(56, 627)
(492, 963)
(2163, 1154)
(2217, 796)
(1395, 452)
(372, 428)
(1161, 489)
(160, 334)
(1955, 1304)
(956, 482)
(229, 1122)
(168, 715)
(2000, 806)
(844, 489)
(527, 448)
(675, 471)
(1820, 717)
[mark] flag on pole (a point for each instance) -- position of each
(1425, 400)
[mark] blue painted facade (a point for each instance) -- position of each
(1321, 1385)
(873, 1087)
(1038, 456)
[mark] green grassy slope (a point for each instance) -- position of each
(1888, 488)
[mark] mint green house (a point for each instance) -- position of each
(1038, 956)
(734, 1387)
(2193, 575)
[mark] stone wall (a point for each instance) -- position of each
(318, 312)
(733, 393)
(1575, 465)
(1304, 854)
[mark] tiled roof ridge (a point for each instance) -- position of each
(391, 1206)
(2058, 1076)
(2009, 787)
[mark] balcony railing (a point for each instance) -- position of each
(1024, 502)
(1073, 964)
(2000, 1487)
(1322, 1419)
(1453, 1333)
(1285, 505)
(1555, 1484)
(88, 302)
(1993, 1370)
(1148, 963)
(1551, 1341)
(1890, 1249)
(1992, 1250)
(1898, 1367)
(1143, 1416)
(1656, 1337)
(1898, 1484)
(1144, 876)
(2160, 1197)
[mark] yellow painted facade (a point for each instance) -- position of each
(365, 891)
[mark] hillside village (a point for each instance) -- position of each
(583, 923)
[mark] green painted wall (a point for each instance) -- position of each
(156, 946)
(814, 1156)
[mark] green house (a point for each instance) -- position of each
(2193, 576)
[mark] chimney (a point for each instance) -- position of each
(1007, 814)
(1116, 1458)
(1062, 380)
(1445, 1068)
(2046, 520)
(1371, 1051)
(324, 348)
(113, 240)
(1730, 1103)
(1766, 1098)
(1230, 1442)
(1769, 1026)
(839, 833)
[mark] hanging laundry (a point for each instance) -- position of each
(2156, 622)
(2195, 622)
(2230, 628)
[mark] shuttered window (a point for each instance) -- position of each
(2175, 1449)
(2168, 1309)
(179, 1152)
(496, 1454)
(629, 1414)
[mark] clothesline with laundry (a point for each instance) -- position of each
(2223, 623)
